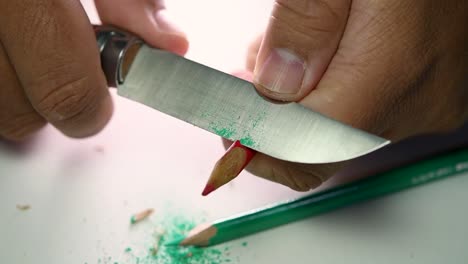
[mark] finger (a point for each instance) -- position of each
(52, 47)
(366, 84)
(148, 19)
(18, 119)
(252, 53)
(301, 38)
(299, 177)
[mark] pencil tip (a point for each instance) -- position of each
(208, 189)
(173, 243)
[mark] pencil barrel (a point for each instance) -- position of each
(348, 194)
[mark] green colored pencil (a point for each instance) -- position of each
(439, 167)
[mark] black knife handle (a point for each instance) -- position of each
(118, 49)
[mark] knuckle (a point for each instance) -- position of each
(315, 15)
(298, 188)
(311, 176)
(19, 127)
(293, 183)
(65, 101)
(361, 108)
(282, 176)
(295, 180)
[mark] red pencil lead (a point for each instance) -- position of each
(208, 189)
(236, 158)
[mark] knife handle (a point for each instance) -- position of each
(118, 49)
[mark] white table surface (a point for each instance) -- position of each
(82, 192)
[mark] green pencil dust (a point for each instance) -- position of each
(162, 228)
(223, 132)
(247, 141)
(175, 227)
(231, 132)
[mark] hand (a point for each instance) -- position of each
(148, 19)
(50, 70)
(393, 68)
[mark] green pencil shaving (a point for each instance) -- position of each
(429, 170)
(140, 216)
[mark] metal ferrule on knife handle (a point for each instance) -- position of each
(118, 50)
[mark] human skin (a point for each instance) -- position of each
(393, 68)
(50, 67)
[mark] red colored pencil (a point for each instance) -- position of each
(231, 164)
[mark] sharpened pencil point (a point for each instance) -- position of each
(208, 189)
(231, 164)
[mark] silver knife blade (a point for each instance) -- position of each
(231, 108)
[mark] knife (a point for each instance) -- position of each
(225, 105)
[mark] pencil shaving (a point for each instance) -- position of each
(160, 231)
(141, 216)
(154, 249)
(23, 207)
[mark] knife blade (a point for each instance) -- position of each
(225, 105)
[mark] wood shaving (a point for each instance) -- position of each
(23, 207)
(141, 216)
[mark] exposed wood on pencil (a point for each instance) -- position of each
(271, 216)
(236, 158)
(141, 216)
(199, 236)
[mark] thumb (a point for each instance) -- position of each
(148, 19)
(297, 176)
(300, 41)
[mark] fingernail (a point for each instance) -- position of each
(282, 72)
